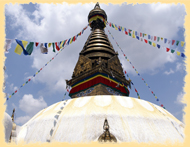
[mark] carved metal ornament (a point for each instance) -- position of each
(107, 136)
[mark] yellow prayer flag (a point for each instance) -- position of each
(61, 44)
(133, 35)
(178, 53)
(182, 43)
(129, 79)
(161, 38)
(136, 71)
(19, 49)
(23, 84)
(116, 28)
(49, 44)
(9, 96)
(133, 32)
(156, 97)
(127, 59)
(154, 44)
(146, 84)
(145, 34)
(71, 41)
(122, 28)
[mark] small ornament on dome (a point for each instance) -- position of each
(97, 5)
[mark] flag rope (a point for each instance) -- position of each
(39, 71)
(136, 70)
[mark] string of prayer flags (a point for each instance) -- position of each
(42, 49)
(133, 86)
(155, 38)
(132, 65)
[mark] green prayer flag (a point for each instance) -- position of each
(38, 70)
(154, 94)
(150, 42)
(29, 48)
(164, 107)
(144, 82)
(172, 51)
(53, 44)
(112, 25)
(158, 38)
(177, 42)
(143, 34)
(125, 57)
(129, 34)
(26, 82)
(137, 94)
(13, 93)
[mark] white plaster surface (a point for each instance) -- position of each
(82, 119)
(7, 121)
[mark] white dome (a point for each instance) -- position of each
(8, 126)
(82, 120)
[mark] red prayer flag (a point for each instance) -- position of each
(173, 41)
(125, 72)
(57, 46)
(52, 58)
(126, 33)
(67, 90)
(124, 54)
(167, 49)
(154, 38)
(133, 67)
(135, 90)
(140, 34)
(41, 69)
(162, 105)
(37, 44)
(145, 41)
(152, 92)
(16, 91)
(29, 79)
(110, 24)
(142, 79)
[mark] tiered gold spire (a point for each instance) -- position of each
(98, 58)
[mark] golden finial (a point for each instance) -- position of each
(107, 136)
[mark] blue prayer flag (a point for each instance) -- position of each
(158, 45)
(137, 37)
(182, 55)
(165, 40)
(45, 45)
(148, 36)
(157, 99)
(136, 33)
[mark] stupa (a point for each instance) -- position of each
(100, 108)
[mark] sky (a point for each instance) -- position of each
(163, 71)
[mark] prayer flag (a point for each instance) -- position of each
(172, 51)
(53, 44)
(45, 45)
(173, 41)
(162, 105)
(157, 100)
(7, 45)
(43, 49)
(140, 34)
(154, 44)
(161, 38)
(158, 45)
(145, 41)
(137, 37)
(133, 36)
(154, 38)
(57, 47)
(29, 48)
(150, 42)
(178, 53)
(136, 33)
(21, 44)
(36, 44)
(129, 34)
(49, 44)
(158, 38)
(167, 49)
(165, 40)
(182, 43)
(68, 41)
(148, 36)
(126, 33)
(177, 42)
(182, 55)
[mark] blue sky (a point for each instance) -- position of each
(164, 72)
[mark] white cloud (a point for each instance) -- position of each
(52, 23)
(22, 119)
(180, 99)
(30, 105)
(180, 67)
(169, 72)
